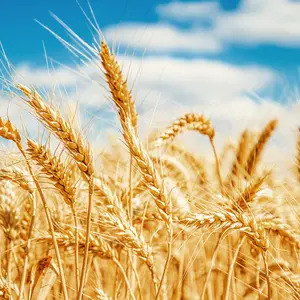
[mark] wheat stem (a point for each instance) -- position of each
(87, 239)
(265, 259)
(231, 267)
(50, 223)
(217, 162)
(213, 259)
(76, 246)
(124, 276)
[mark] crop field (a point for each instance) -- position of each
(144, 217)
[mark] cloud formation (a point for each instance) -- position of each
(210, 28)
(166, 87)
(188, 11)
(261, 22)
(163, 37)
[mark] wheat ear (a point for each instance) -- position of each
(126, 235)
(113, 219)
(249, 193)
(20, 177)
(298, 156)
(8, 131)
(118, 86)
(258, 148)
(278, 226)
(5, 292)
(228, 220)
(53, 120)
(123, 101)
(126, 109)
(10, 211)
(55, 170)
(240, 158)
(196, 164)
(77, 147)
(190, 121)
(195, 122)
(61, 176)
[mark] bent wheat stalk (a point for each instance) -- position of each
(242, 222)
(60, 175)
(127, 115)
(8, 131)
(77, 147)
(191, 121)
(123, 101)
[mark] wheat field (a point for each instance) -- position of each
(153, 221)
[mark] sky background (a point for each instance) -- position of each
(22, 36)
(236, 61)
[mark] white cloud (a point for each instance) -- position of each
(165, 88)
(188, 10)
(195, 81)
(261, 21)
(162, 37)
(254, 22)
(198, 80)
(42, 77)
(169, 88)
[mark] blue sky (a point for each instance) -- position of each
(235, 61)
(21, 36)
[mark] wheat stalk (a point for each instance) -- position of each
(240, 158)
(256, 151)
(127, 115)
(8, 131)
(118, 86)
(77, 147)
(101, 294)
(190, 121)
(56, 171)
(53, 120)
(278, 226)
(192, 161)
(61, 176)
(229, 220)
(250, 192)
(195, 122)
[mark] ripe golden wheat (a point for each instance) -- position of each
(166, 228)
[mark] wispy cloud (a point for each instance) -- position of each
(164, 89)
(165, 86)
(188, 11)
(163, 37)
(261, 21)
(254, 22)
